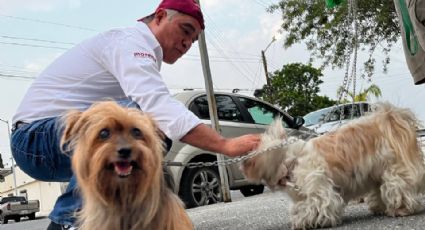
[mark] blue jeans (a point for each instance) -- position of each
(36, 149)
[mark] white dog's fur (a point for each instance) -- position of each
(377, 156)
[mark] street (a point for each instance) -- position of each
(267, 211)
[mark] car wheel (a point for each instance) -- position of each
(4, 220)
(252, 190)
(31, 216)
(17, 219)
(200, 186)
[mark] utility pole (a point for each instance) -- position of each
(263, 56)
(224, 179)
(1, 161)
(13, 162)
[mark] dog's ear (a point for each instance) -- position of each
(70, 122)
(276, 129)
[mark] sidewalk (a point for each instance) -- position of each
(270, 211)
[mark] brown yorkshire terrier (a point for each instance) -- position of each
(377, 156)
(117, 159)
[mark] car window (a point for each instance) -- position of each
(227, 110)
(261, 113)
(11, 199)
(349, 112)
(366, 108)
(352, 111)
(316, 117)
(333, 114)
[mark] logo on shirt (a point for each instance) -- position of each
(144, 55)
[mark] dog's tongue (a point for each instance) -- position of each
(123, 168)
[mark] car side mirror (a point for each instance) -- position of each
(298, 122)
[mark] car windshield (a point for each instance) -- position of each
(316, 117)
(12, 199)
(350, 111)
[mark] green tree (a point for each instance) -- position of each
(295, 88)
(363, 95)
(328, 36)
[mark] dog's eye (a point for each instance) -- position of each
(104, 134)
(136, 133)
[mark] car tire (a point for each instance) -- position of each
(17, 219)
(200, 186)
(3, 220)
(252, 190)
(31, 216)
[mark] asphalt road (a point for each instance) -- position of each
(267, 211)
(270, 211)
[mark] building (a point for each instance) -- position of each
(45, 192)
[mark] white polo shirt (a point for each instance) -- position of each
(113, 65)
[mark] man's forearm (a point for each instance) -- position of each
(204, 137)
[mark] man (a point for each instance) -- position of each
(411, 15)
(122, 65)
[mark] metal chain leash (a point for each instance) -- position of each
(342, 95)
(355, 45)
(235, 160)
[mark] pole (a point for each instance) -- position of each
(263, 56)
(13, 162)
(224, 179)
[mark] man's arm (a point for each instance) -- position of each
(204, 137)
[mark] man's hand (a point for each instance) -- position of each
(206, 138)
(240, 145)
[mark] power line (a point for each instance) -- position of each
(219, 60)
(15, 76)
(48, 22)
(234, 52)
(31, 45)
(35, 39)
(200, 88)
(217, 45)
(261, 3)
(226, 57)
(9, 71)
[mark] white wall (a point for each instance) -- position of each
(45, 192)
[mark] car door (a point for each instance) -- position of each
(261, 115)
(233, 123)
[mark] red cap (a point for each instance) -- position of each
(189, 7)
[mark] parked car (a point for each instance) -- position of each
(328, 119)
(15, 207)
(237, 115)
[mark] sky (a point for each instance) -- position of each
(34, 32)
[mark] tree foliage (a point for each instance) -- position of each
(328, 36)
(363, 95)
(295, 88)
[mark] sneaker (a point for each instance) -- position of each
(55, 226)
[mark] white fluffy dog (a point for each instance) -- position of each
(377, 156)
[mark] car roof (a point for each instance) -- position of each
(340, 105)
(187, 96)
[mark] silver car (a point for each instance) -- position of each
(329, 119)
(238, 115)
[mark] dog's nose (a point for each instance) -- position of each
(124, 152)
